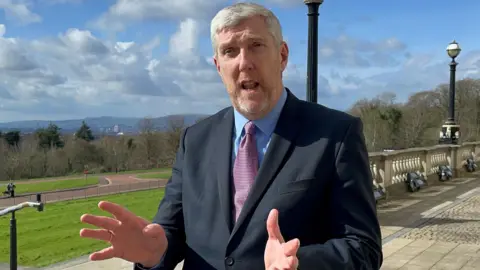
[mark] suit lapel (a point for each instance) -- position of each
(280, 143)
(222, 165)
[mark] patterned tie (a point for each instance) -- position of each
(245, 167)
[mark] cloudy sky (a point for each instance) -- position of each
(63, 59)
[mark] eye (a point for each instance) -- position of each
(257, 44)
(228, 51)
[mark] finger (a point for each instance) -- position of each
(272, 226)
(102, 222)
(289, 263)
(291, 247)
(292, 263)
(154, 231)
(99, 234)
(117, 211)
(104, 254)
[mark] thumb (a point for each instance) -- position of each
(153, 231)
(273, 228)
(291, 247)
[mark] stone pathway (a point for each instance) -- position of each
(436, 228)
(84, 264)
(446, 236)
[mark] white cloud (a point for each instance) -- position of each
(126, 11)
(63, 1)
(76, 72)
(19, 11)
(346, 51)
(183, 44)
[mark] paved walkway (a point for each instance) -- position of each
(435, 228)
(441, 232)
(111, 184)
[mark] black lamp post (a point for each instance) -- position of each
(312, 58)
(13, 226)
(451, 130)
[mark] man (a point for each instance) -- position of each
(272, 182)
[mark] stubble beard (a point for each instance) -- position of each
(252, 110)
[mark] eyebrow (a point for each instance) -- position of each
(248, 38)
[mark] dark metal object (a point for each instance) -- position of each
(379, 192)
(13, 226)
(450, 133)
(444, 173)
(312, 58)
(470, 165)
(414, 181)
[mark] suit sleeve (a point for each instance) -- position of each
(357, 243)
(170, 215)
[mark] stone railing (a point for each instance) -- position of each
(391, 168)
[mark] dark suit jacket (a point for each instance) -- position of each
(316, 173)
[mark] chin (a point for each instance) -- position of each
(253, 107)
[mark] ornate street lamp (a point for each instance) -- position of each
(312, 58)
(450, 130)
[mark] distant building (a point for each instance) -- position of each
(116, 129)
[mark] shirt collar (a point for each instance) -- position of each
(266, 124)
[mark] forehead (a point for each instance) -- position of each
(248, 29)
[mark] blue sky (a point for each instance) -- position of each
(62, 59)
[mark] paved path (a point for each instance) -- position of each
(436, 228)
(109, 184)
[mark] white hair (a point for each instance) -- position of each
(235, 14)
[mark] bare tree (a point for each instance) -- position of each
(421, 116)
(149, 143)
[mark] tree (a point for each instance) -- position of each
(422, 117)
(84, 132)
(172, 139)
(12, 137)
(392, 116)
(49, 137)
(378, 117)
(149, 142)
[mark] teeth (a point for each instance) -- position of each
(249, 85)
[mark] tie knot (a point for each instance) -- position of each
(250, 128)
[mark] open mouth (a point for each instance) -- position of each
(249, 85)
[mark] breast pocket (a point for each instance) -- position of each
(296, 186)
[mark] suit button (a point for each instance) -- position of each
(229, 261)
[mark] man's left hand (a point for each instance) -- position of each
(278, 254)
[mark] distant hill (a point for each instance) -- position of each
(101, 125)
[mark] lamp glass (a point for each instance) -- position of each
(453, 49)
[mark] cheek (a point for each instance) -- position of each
(229, 75)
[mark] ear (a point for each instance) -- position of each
(284, 52)
(217, 64)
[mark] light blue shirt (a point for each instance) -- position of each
(263, 128)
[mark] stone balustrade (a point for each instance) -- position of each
(391, 168)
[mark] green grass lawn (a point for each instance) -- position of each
(25, 187)
(158, 175)
(97, 174)
(52, 236)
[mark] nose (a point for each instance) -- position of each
(246, 60)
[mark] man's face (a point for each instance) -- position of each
(250, 64)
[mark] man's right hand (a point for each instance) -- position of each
(132, 238)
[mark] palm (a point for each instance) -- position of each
(130, 243)
(273, 252)
(132, 238)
